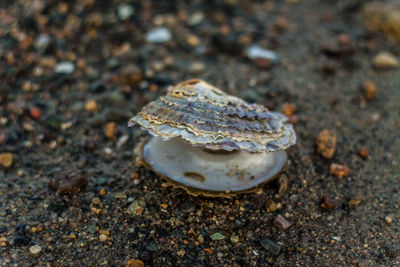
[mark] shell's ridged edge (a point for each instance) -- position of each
(273, 132)
(224, 144)
(140, 162)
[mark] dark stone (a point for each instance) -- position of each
(162, 232)
(152, 247)
(163, 80)
(21, 240)
(102, 181)
(68, 182)
(187, 206)
(20, 229)
(97, 87)
(271, 246)
(228, 44)
(177, 233)
(118, 114)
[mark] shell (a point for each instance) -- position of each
(203, 115)
(210, 174)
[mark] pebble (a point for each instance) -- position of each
(257, 52)
(197, 67)
(181, 253)
(124, 11)
(388, 219)
(102, 181)
(135, 263)
(281, 223)
(6, 159)
(35, 112)
(91, 229)
(326, 143)
(271, 206)
(42, 42)
(120, 195)
(122, 140)
(339, 170)
(234, 238)
(288, 109)
(383, 17)
(355, 201)
(152, 247)
(217, 236)
(177, 233)
(91, 105)
(385, 60)
(115, 98)
(20, 241)
(118, 114)
(193, 40)
(271, 246)
(36, 249)
(187, 206)
(196, 18)
(283, 183)
(103, 237)
(363, 152)
(136, 208)
(68, 182)
(65, 67)
(326, 203)
(368, 89)
(158, 35)
(130, 75)
(3, 241)
(110, 130)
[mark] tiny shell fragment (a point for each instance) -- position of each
(385, 60)
(326, 143)
(339, 170)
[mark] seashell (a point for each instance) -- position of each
(212, 143)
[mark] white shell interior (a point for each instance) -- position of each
(194, 167)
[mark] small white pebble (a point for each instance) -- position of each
(35, 249)
(158, 35)
(65, 67)
(108, 150)
(124, 11)
(122, 140)
(103, 237)
(388, 219)
(256, 51)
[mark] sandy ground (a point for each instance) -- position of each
(54, 123)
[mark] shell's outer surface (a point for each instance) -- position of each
(199, 172)
(203, 115)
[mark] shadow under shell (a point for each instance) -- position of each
(210, 171)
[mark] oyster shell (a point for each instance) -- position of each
(211, 143)
(203, 115)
